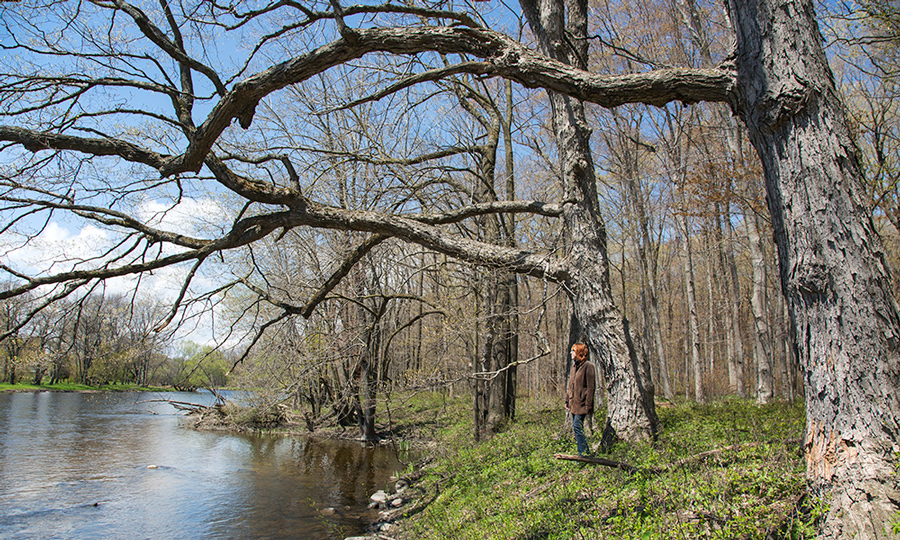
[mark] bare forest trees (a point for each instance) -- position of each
(119, 117)
(701, 196)
(100, 338)
(15, 344)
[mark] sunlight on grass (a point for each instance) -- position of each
(512, 487)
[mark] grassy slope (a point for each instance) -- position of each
(512, 487)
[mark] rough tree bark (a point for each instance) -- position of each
(832, 265)
(631, 413)
(368, 371)
(512, 280)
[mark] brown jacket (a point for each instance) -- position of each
(580, 390)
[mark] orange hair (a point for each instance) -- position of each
(581, 351)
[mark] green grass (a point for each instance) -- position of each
(512, 487)
(74, 387)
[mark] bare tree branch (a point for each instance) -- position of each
(504, 58)
(341, 272)
(114, 218)
(181, 294)
(159, 38)
(427, 76)
(35, 141)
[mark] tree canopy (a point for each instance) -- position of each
(282, 116)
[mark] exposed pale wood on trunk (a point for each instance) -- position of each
(832, 265)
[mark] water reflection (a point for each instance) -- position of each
(120, 466)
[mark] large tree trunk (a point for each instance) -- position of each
(832, 265)
(498, 399)
(494, 404)
(512, 281)
(370, 358)
(631, 412)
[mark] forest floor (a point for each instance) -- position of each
(729, 469)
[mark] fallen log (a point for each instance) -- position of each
(599, 461)
(190, 408)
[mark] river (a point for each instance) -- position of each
(122, 465)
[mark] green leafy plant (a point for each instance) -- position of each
(723, 470)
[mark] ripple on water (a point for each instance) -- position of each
(121, 466)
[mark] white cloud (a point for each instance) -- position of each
(59, 249)
(190, 217)
(56, 249)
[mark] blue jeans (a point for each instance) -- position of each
(580, 440)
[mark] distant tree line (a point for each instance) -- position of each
(100, 339)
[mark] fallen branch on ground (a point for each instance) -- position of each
(599, 461)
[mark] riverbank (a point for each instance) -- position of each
(407, 422)
(74, 387)
(730, 469)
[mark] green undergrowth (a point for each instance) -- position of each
(750, 487)
(428, 419)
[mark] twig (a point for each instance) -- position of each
(544, 487)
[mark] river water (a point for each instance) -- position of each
(122, 465)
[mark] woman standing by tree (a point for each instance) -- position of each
(580, 394)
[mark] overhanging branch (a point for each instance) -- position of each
(503, 57)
